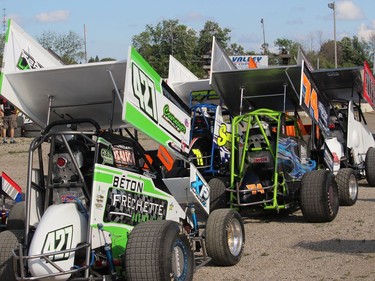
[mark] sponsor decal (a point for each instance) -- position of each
(256, 160)
(172, 119)
(128, 184)
(200, 190)
(58, 240)
(242, 62)
(26, 61)
(124, 156)
(106, 155)
(132, 208)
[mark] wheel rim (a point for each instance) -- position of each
(235, 238)
(179, 262)
(353, 187)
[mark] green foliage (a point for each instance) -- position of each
(350, 52)
(169, 37)
(69, 47)
(291, 47)
(209, 30)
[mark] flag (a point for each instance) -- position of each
(10, 187)
(252, 63)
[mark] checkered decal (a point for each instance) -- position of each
(131, 212)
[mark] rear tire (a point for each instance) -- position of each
(319, 198)
(16, 218)
(225, 237)
(218, 198)
(9, 240)
(156, 250)
(370, 166)
(348, 186)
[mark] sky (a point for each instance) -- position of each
(110, 25)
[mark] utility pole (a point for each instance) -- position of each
(333, 7)
(264, 45)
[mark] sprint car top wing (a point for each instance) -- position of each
(46, 90)
(275, 88)
(340, 83)
(184, 82)
(153, 107)
(281, 88)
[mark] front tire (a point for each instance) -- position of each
(225, 237)
(9, 240)
(156, 250)
(370, 166)
(348, 186)
(319, 198)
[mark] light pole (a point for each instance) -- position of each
(264, 38)
(333, 7)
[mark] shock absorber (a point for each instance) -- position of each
(107, 249)
(194, 218)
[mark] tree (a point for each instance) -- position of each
(2, 45)
(168, 37)
(69, 47)
(353, 52)
(289, 46)
(209, 30)
(327, 54)
(235, 50)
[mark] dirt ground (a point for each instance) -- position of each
(279, 247)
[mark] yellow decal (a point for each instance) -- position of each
(224, 135)
(199, 156)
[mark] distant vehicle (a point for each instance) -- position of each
(277, 162)
(348, 92)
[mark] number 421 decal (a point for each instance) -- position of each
(144, 90)
(59, 240)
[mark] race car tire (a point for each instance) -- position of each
(319, 198)
(370, 166)
(9, 240)
(218, 199)
(157, 250)
(348, 186)
(225, 237)
(16, 218)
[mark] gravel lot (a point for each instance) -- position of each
(279, 247)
